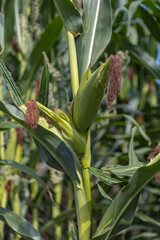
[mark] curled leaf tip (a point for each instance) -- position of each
(115, 80)
(32, 114)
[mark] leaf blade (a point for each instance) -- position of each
(19, 224)
(70, 16)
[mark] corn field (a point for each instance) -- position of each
(79, 120)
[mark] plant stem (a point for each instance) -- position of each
(56, 211)
(73, 63)
(86, 162)
(87, 187)
(83, 218)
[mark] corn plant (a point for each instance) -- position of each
(63, 141)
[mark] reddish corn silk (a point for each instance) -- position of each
(32, 115)
(20, 135)
(130, 74)
(48, 121)
(115, 80)
(8, 187)
(15, 44)
(150, 87)
(37, 89)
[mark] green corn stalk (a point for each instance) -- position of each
(34, 192)
(56, 209)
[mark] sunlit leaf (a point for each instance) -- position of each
(125, 198)
(19, 224)
(96, 33)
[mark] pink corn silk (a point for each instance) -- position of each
(20, 135)
(48, 121)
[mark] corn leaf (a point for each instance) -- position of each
(19, 224)
(15, 92)
(147, 219)
(44, 88)
(104, 177)
(133, 160)
(122, 171)
(70, 16)
(17, 20)
(142, 132)
(124, 199)
(26, 170)
(9, 24)
(104, 194)
(96, 33)
(60, 152)
(47, 39)
(1, 32)
(47, 157)
(9, 125)
(151, 22)
(144, 58)
(154, 7)
(131, 11)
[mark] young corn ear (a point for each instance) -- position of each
(64, 126)
(88, 98)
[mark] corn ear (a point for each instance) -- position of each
(68, 132)
(89, 97)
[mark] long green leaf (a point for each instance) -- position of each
(9, 125)
(133, 160)
(63, 154)
(142, 132)
(1, 32)
(122, 171)
(18, 28)
(19, 224)
(146, 218)
(131, 11)
(70, 16)
(47, 39)
(15, 92)
(104, 177)
(96, 33)
(144, 58)
(26, 170)
(44, 88)
(153, 7)
(9, 25)
(125, 197)
(151, 23)
(47, 157)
